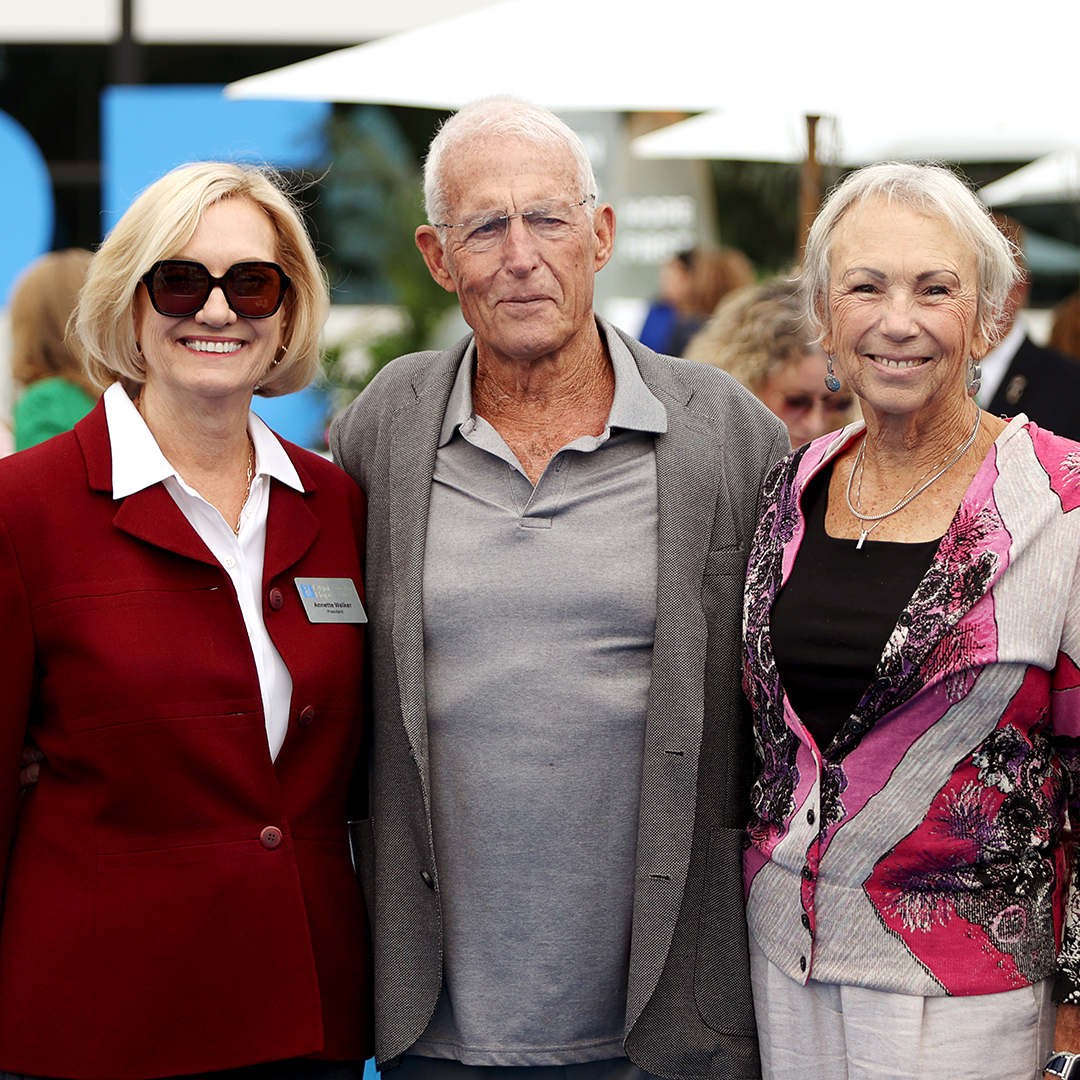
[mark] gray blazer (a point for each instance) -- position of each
(688, 1011)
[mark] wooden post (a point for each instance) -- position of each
(810, 186)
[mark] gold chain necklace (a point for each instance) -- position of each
(247, 490)
(137, 402)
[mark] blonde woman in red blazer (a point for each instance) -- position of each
(179, 897)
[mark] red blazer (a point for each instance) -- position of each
(150, 925)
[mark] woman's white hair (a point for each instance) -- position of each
(507, 117)
(932, 190)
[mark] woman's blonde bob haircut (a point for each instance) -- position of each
(936, 192)
(156, 226)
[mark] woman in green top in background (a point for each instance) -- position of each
(43, 360)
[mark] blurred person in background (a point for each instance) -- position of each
(692, 283)
(46, 361)
(1065, 328)
(180, 609)
(760, 335)
(1020, 376)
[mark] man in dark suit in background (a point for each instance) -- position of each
(558, 527)
(1020, 376)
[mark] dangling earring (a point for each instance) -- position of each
(831, 381)
(974, 377)
(273, 364)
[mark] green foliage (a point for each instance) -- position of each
(345, 378)
(341, 382)
(366, 218)
(757, 209)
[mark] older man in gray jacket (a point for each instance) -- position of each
(558, 528)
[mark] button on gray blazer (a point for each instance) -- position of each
(688, 1010)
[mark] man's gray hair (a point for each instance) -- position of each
(506, 117)
(932, 190)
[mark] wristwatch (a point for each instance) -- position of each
(1063, 1064)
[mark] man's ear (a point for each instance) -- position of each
(431, 247)
(604, 227)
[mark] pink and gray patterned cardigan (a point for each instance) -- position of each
(921, 852)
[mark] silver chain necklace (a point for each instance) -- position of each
(914, 491)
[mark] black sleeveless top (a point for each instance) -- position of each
(832, 618)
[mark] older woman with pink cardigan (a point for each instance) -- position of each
(913, 658)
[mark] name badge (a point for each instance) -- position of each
(331, 599)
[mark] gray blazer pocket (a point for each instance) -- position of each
(727, 562)
(722, 587)
(722, 961)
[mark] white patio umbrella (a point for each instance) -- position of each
(554, 54)
(857, 135)
(745, 135)
(692, 55)
(1054, 178)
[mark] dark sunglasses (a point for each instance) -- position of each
(178, 288)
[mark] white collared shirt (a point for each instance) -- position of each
(996, 362)
(138, 463)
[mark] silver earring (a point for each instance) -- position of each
(974, 377)
(831, 381)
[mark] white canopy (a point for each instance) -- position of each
(562, 54)
(852, 133)
(1053, 178)
(742, 136)
(954, 60)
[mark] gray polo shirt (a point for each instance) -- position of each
(539, 619)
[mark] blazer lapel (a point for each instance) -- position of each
(1019, 379)
(291, 528)
(150, 515)
(414, 439)
(688, 483)
(687, 487)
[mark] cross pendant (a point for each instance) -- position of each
(862, 536)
